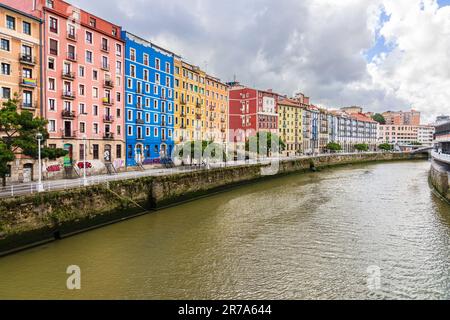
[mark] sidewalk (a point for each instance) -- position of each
(63, 184)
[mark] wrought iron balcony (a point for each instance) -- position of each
(108, 84)
(108, 118)
(29, 106)
(68, 95)
(72, 56)
(27, 59)
(68, 114)
(68, 75)
(107, 101)
(108, 136)
(72, 36)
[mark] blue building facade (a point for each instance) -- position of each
(149, 101)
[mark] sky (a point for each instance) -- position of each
(378, 54)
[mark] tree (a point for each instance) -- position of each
(265, 143)
(379, 118)
(386, 147)
(19, 132)
(333, 147)
(200, 150)
(362, 147)
(5, 156)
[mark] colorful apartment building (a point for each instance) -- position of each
(406, 134)
(216, 110)
(251, 111)
(351, 129)
(290, 126)
(149, 101)
(83, 63)
(190, 110)
(409, 118)
(21, 74)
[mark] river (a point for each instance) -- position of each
(357, 232)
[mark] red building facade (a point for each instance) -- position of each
(251, 111)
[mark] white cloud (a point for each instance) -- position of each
(316, 46)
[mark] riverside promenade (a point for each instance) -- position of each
(66, 184)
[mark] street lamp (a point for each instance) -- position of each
(40, 186)
(85, 182)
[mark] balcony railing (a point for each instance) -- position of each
(108, 136)
(105, 66)
(108, 84)
(68, 134)
(139, 106)
(68, 114)
(108, 118)
(105, 48)
(72, 36)
(68, 75)
(72, 56)
(29, 105)
(28, 82)
(68, 95)
(107, 101)
(442, 157)
(27, 59)
(140, 121)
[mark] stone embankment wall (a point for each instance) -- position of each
(439, 178)
(34, 219)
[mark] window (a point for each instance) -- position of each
(118, 97)
(92, 22)
(51, 84)
(89, 37)
(26, 27)
(51, 126)
(88, 56)
(129, 84)
(52, 104)
(132, 55)
(81, 151)
(6, 69)
(157, 64)
(53, 25)
(157, 78)
(105, 64)
(6, 93)
(118, 50)
(27, 99)
(146, 59)
(4, 44)
(53, 47)
(146, 76)
(95, 110)
(94, 75)
(130, 130)
(118, 151)
(167, 67)
(105, 46)
(95, 128)
(11, 22)
(51, 64)
(81, 71)
(50, 4)
(82, 109)
(82, 127)
(95, 151)
(119, 131)
(114, 32)
(95, 92)
(118, 67)
(132, 71)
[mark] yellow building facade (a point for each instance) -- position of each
(20, 47)
(216, 110)
(290, 126)
(190, 110)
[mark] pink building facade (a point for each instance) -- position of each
(83, 65)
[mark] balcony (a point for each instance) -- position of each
(183, 101)
(68, 75)
(108, 136)
(140, 121)
(68, 95)
(71, 36)
(141, 137)
(198, 116)
(105, 67)
(108, 84)
(68, 114)
(28, 82)
(27, 59)
(108, 118)
(68, 134)
(107, 101)
(442, 157)
(72, 56)
(105, 48)
(139, 106)
(198, 105)
(29, 106)
(223, 120)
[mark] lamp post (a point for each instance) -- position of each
(40, 186)
(85, 182)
